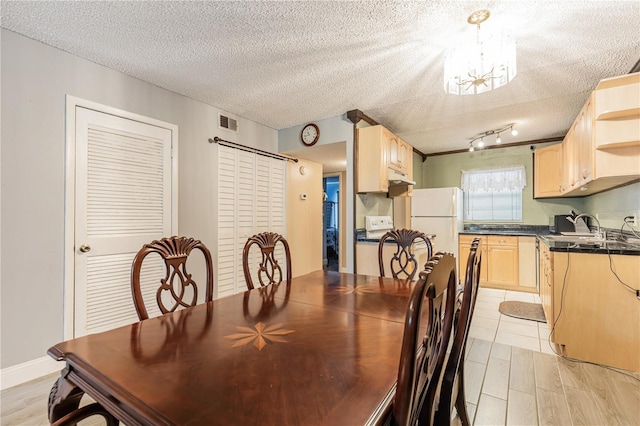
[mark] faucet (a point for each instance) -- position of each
(598, 234)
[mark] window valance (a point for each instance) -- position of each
(495, 179)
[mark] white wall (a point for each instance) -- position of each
(35, 80)
(332, 130)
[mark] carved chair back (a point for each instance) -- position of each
(269, 270)
(403, 263)
(177, 288)
(422, 357)
(452, 388)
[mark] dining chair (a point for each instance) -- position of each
(177, 288)
(85, 412)
(452, 388)
(269, 269)
(422, 357)
(403, 260)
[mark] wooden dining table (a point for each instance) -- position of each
(320, 349)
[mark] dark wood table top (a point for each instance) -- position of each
(321, 349)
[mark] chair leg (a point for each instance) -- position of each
(84, 412)
(461, 404)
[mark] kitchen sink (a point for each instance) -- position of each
(571, 238)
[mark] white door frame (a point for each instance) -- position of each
(69, 192)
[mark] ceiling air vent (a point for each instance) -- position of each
(225, 122)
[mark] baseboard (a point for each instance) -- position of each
(30, 370)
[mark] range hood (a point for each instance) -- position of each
(396, 178)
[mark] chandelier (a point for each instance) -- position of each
(485, 62)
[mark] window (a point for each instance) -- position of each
(493, 194)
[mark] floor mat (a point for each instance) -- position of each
(524, 310)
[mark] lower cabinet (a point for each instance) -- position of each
(464, 247)
(508, 262)
(502, 261)
(546, 283)
(593, 316)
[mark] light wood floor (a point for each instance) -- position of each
(505, 385)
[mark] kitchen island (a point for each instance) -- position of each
(591, 303)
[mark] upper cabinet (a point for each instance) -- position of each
(378, 151)
(400, 155)
(547, 174)
(601, 149)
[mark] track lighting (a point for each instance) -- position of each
(481, 136)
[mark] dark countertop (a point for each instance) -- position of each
(514, 230)
(542, 232)
(360, 237)
(593, 247)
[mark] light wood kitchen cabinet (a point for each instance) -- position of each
(508, 262)
(378, 150)
(546, 283)
(585, 144)
(593, 316)
(502, 261)
(547, 171)
(400, 155)
(464, 247)
(602, 148)
(579, 151)
(373, 159)
(569, 172)
(527, 264)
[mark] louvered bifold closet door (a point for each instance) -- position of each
(226, 261)
(123, 200)
(251, 197)
(236, 204)
(270, 198)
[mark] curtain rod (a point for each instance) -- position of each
(250, 149)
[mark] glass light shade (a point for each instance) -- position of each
(485, 62)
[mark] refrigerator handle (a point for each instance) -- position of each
(453, 229)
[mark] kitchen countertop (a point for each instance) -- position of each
(360, 237)
(513, 230)
(542, 232)
(594, 247)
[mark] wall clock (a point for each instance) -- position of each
(310, 134)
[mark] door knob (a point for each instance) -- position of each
(85, 248)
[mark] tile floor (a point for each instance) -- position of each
(489, 324)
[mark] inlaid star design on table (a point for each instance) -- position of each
(361, 289)
(260, 335)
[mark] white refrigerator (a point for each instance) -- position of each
(438, 211)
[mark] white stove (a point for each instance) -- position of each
(377, 226)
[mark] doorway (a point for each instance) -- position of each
(331, 223)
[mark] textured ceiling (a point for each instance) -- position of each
(287, 63)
